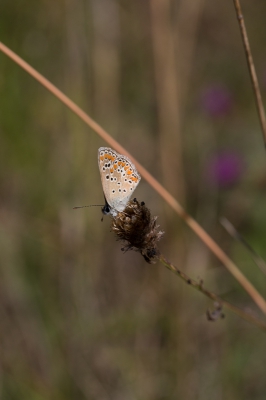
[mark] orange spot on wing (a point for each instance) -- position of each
(111, 170)
(115, 166)
(101, 158)
(125, 168)
(129, 172)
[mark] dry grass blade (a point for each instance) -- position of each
(251, 67)
(204, 236)
(236, 235)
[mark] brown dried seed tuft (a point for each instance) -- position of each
(138, 229)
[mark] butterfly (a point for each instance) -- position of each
(119, 180)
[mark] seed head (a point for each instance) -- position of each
(138, 229)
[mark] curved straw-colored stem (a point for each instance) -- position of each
(213, 246)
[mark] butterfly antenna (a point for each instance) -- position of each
(92, 205)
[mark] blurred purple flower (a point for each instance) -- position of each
(216, 100)
(225, 169)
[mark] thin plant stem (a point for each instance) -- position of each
(199, 286)
(251, 67)
(198, 230)
(236, 235)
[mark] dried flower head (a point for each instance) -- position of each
(216, 313)
(138, 229)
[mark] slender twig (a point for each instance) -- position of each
(251, 67)
(236, 235)
(199, 286)
(204, 236)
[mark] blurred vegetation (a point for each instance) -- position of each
(169, 80)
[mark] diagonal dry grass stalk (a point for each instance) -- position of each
(236, 235)
(204, 236)
(251, 68)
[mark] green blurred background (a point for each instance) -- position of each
(168, 79)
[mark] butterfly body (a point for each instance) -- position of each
(119, 179)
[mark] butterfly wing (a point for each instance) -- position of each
(119, 177)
